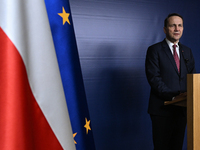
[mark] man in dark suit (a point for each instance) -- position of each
(166, 69)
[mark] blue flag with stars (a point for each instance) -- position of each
(59, 15)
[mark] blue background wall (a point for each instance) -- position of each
(112, 38)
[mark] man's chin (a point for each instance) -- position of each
(176, 39)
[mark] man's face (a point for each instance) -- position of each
(174, 29)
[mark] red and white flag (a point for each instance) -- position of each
(33, 110)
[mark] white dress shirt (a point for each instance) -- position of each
(171, 47)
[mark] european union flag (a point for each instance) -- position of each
(59, 15)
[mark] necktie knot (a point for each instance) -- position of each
(174, 49)
(174, 46)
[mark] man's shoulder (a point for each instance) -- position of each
(158, 45)
(184, 46)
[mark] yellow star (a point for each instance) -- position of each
(87, 125)
(74, 136)
(64, 15)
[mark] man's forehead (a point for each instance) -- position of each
(175, 20)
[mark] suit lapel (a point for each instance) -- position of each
(182, 59)
(169, 54)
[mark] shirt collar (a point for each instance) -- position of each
(170, 43)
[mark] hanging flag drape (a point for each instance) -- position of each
(60, 19)
(33, 109)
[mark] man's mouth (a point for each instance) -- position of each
(176, 33)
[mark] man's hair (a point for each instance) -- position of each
(170, 15)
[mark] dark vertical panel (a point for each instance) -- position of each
(112, 38)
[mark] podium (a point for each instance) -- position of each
(192, 102)
(193, 111)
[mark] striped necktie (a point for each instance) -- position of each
(176, 58)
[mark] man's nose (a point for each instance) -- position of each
(176, 28)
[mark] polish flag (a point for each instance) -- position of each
(33, 110)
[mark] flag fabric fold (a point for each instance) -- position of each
(34, 114)
(61, 24)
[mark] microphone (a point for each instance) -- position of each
(186, 61)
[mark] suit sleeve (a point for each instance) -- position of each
(152, 70)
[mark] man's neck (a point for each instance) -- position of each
(173, 42)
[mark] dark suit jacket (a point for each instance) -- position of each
(163, 77)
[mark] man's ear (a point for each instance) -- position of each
(165, 29)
